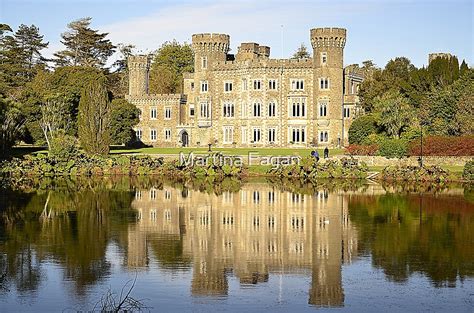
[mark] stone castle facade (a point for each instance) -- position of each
(249, 99)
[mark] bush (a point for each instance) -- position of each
(468, 172)
(415, 173)
(444, 146)
(362, 149)
(361, 128)
(393, 148)
(63, 146)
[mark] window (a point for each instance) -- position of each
(323, 109)
(257, 84)
(192, 85)
(153, 113)
(228, 86)
(347, 112)
(243, 110)
(272, 84)
(204, 86)
(297, 107)
(191, 110)
(244, 134)
(204, 62)
(257, 109)
(167, 113)
(323, 136)
(244, 84)
(257, 135)
(297, 134)
(153, 134)
(324, 57)
(140, 113)
(297, 84)
(204, 112)
(228, 134)
(272, 109)
(167, 134)
(138, 134)
(324, 83)
(228, 110)
(272, 135)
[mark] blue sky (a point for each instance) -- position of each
(377, 30)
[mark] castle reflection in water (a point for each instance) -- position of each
(253, 233)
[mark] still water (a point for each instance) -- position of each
(237, 246)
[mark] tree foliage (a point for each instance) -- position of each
(11, 125)
(84, 46)
(94, 117)
(124, 116)
(170, 62)
(301, 53)
(361, 128)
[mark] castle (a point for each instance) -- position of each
(249, 99)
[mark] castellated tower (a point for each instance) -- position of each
(328, 50)
(138, 67)
(209, 48)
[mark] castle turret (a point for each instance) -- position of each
(138, 69)
(328, 50)
(209, 48)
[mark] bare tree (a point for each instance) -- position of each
(54, 118)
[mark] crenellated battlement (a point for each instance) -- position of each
(329, 37)
(138, 61)
(211, 42)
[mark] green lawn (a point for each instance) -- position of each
(230, 151)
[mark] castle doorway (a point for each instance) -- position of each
(185, 138)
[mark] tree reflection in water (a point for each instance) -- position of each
(249, 230)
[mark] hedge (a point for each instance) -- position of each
(444, 146)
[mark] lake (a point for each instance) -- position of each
(235, 246)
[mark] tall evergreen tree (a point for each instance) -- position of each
(84, 46)
(463, 68)
(30, 43)
(301, 52)
(94, 117)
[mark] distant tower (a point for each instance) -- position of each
(209, 48)
(138, 68)
(328, 51)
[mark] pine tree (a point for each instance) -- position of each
(30, 42)
(464, 68)
(84, 46)
(94, 117)
(301, 53)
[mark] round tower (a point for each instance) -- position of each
(209, 48)
(328, 64)
(138, 69)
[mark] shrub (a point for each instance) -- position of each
(415, 173)
(362, 149)
(63, 145)
(444, 146)
(361, 128)
(468, 172)
(393, 148)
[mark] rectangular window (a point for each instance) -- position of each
(167, 113)
(192, 86)
(298, 134)
(228, 134)
(191, 110)
(323, 109)
(297, 107)
(228, 86)
(167, 134)
(257, 135)
(257, 109)
(272, 135)
(153, 113)
(228, 110)
(272, 84)
(204, 62)
(323, 136)
(138, 134)
(244, 135)
(324, 83)
(297, 84)
(204, 110)
(244, 84)
(204, 86)
(324, 58)
(257, 84)
(153, 134)
(272, 109)
(347, 112)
